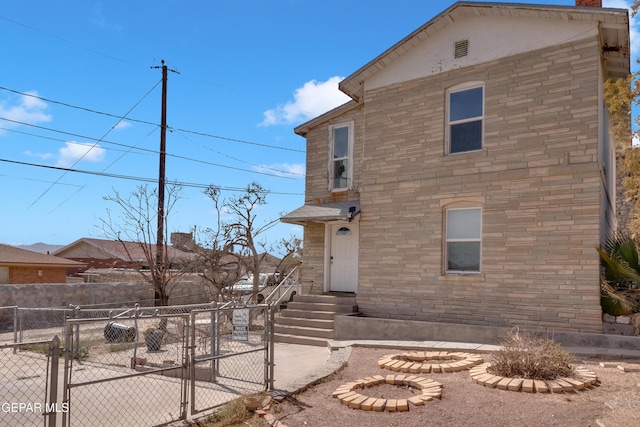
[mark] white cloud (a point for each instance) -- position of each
(27, 110)
(283, 169)
(42, 156)
(311, 100)
(122, 125)
(75, 151)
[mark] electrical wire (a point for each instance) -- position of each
(94, 146)
(208, 135)
(137, 178)
(149, 150)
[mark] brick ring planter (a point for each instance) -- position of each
(348, 396)
(425, 362)
(583, 379)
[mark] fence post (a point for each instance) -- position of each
(135, 343)
(68, 358)
(76, 347)
(213, 344)
(192, 364)
(54, 351)
(15, 328)
(271, 347)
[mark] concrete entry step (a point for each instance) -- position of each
(295, 339)
(323, 306)
(309, 319)
(308, 322)
(308, 314)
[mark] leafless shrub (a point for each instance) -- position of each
(523, 356)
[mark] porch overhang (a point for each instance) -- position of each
(335, 211)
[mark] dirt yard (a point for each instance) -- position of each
(614, 402)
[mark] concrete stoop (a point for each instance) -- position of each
(309, 319)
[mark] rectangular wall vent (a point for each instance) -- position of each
(461, 48)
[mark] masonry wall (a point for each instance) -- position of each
(536, 179)
(317, 175)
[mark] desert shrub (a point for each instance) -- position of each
(234, 413)
(524, 356)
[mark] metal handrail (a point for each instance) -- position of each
(282, 283)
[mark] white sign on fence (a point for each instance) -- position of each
(240, 325)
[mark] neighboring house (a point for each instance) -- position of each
(473, 173)
(100, 254)
(23, 266)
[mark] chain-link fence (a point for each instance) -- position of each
(229, 354)
(8, 324)
(136, 366)
(27, 397)
(39, 323)
(126, 372)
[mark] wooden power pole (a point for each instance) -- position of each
(160, 258)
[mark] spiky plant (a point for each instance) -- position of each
(620, 270)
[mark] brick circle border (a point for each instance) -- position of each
(583, 379)
(347, 394)
(426, 362)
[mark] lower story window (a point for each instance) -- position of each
(463, 240)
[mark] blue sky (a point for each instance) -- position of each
(249, 72)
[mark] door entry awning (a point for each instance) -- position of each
(323, 212)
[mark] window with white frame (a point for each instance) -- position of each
(463, 240)
(340, 153)
(465, 112)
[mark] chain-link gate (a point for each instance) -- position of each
(133, 366)
(131, 372)
(230, 354)
(28, 383)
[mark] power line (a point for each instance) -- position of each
(93, 146)
(62, 39)
(147, 150)
(136, 178)
(208, 135)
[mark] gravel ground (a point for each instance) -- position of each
(614, 402)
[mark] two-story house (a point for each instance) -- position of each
(472, 174)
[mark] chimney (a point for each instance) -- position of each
(589, 3)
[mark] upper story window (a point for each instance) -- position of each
(463, 230)
(340, 157)
(465, 112)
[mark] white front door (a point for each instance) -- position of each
(343, 257)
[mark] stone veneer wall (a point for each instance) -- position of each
(536, 179)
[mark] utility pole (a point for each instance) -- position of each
(160, 259)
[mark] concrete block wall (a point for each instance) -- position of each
(92, 295)
(536, 179)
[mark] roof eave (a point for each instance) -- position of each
(353, 85)
(304, 128)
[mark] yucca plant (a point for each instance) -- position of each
(620, 270)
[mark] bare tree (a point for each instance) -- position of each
(218, 265)
(243, 232)
(135, 228)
